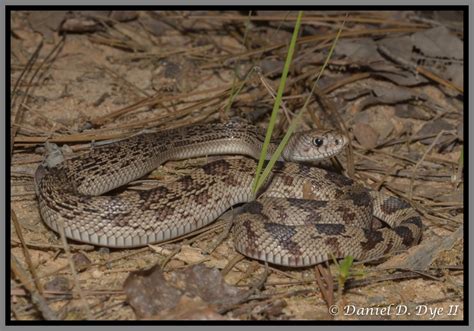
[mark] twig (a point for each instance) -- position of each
(332, 35)
(232, 262)
(324, 280)
(115, 75)
(419, 69)
(422, 158)
(158, 98)
(272, 92)
(27, 67)
(379, 184)
(50, 246)
(26, 252)
(220, 238)
(20, 111)
(77, 285)
(410, 139)
(254, 288)
(36, 297)
(318, 20)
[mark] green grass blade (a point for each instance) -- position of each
(276, 105)
(294, 123)
(278, 151)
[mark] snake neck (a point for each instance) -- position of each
(236, 137)
(110, 166)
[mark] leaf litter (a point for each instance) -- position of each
(392, 79)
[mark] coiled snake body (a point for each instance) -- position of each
(304, 215)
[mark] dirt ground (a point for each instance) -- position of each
(393, 84)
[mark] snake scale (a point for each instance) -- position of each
(303, 216)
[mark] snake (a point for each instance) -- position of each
(301, 216)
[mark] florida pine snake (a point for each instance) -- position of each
(282, 226)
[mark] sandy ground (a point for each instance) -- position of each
(167, 70)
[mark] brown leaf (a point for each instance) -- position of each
(207, 283)
(148, 292)
(430, 46)
(46, 22)
(410, 111)
(379, 119)
(435, 127)
(81, 261)
(58, 284)
(365, 135)
(80, 25)
(124, 15)
(438, 49)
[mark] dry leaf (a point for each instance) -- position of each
(365, 135)
(149, 293)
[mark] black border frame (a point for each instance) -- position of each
(7, 229)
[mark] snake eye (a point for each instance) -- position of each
(336, 141)
(318, 142)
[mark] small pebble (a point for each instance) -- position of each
(97, 274)
(104, 250)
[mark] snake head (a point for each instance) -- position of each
(314, 145)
